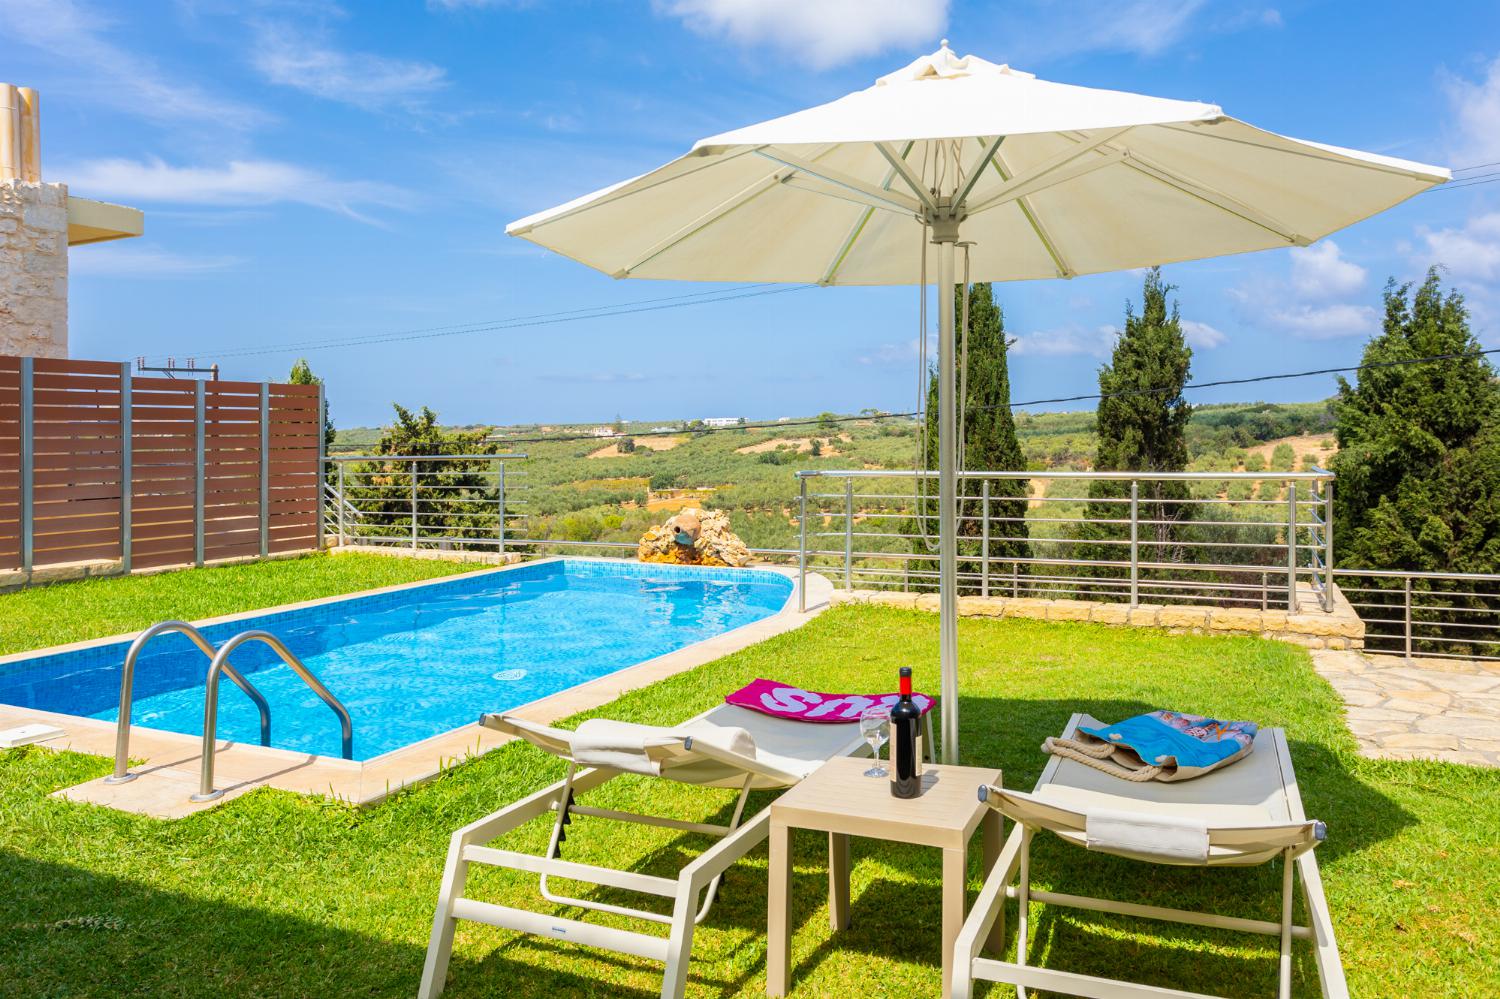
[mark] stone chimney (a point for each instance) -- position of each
(38, 222)
(33, 236)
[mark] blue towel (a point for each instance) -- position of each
(1184, 745)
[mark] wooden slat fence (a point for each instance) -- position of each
(96, 463)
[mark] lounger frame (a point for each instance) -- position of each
(470, 845)
(1011, 878)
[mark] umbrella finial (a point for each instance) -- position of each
(944, 44)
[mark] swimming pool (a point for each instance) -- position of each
(416, 661)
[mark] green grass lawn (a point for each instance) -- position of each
(275, 894)
(95, 608)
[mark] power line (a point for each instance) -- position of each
(566, 438)
(1462, 183)
(520, 322)
(1262, 378)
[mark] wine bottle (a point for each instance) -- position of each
(906, 742)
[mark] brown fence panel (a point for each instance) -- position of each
(231, 470)
(153, 471)
(295, 437)
(164, 473)
(77, 448)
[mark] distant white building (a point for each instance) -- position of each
(723, 421)
(663, 430)
(605, 432)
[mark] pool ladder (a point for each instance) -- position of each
(218, 665)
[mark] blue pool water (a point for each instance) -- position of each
(416, 662)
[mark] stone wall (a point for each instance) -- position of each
(33, 269)
(1340, 629)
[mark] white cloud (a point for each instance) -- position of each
(101, 72)
(893, 353)
(1325, 322)
(1472, 252)
(464, 4)
(597, 377)
(236, 184)
(1203, 336)
(1312, 301)
(821, 33)
(1099, 342)
(1321, 272)
(1475, 106)
(294, 57)
(135, 260)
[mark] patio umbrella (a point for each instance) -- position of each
(1045, 180)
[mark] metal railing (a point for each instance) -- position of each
(1435, 615)
(206, 790)
(122, 772)
(218, 664)
(465, 502)
(1226, 537)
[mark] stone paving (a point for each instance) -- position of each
(1426, 709)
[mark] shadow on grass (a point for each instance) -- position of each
(161, 943)
(85, 935)
(1009, 733)
(900, 915)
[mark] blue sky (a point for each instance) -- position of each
(315, 172)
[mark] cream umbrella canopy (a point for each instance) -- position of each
(1045, 180)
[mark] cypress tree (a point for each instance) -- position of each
(989, 441)
(1418, 463)
(1142, 427)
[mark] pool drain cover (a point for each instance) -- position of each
(511, 674)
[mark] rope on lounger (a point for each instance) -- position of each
(1096, 756)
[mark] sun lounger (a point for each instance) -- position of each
(1243, 815)
(726, 747)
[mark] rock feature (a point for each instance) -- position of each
(694, 537)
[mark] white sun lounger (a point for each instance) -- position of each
(711, 750)
(1245, 814)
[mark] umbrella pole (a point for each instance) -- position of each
(945, 235)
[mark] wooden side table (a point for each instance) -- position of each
(839, 800)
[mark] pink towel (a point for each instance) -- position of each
(782, 700)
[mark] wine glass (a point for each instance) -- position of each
(875, 726)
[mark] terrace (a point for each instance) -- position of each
(1073, 586)
(339, 898)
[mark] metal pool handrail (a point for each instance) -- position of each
(122, 772)
(206, 790)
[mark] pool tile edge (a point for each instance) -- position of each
(170, 772)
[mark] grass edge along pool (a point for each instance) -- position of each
(413, 661)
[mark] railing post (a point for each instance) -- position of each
(1328, 546)
(1291, 546)
(322, 468)
(984, 522)
(1135, 548)
(1015, 578)
(265, 469)
(1406, 616)
(199, 387)
(414, 505)
(501, 488)
(28, 462)
(802, 544)
(342, 502)
(848, 533)
(127, 464)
